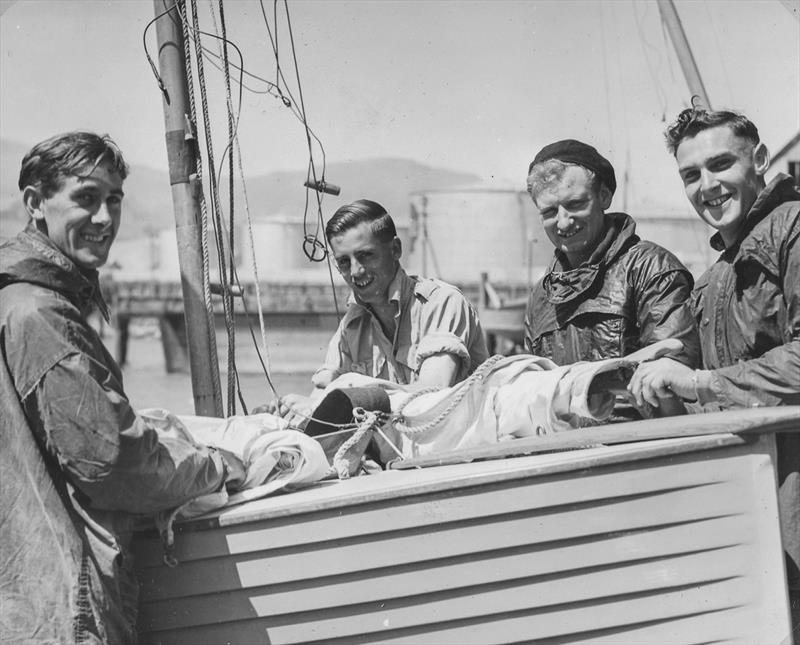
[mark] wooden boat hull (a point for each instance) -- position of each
(673, 540)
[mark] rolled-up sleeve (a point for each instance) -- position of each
(448, 325)
(110, 453)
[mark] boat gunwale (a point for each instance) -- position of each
(748, 421)
(452, 477)
(512, 460)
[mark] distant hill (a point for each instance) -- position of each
(388, 181)
(148, 201)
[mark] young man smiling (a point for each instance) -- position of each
(405, 329)
(607, 293)
(77, 461)
(748, 303)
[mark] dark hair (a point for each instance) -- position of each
(49, 162)
(696, 119)
(363, 210)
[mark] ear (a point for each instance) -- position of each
(33, 200)
(761, 158)
(605, 197)
(397, 248)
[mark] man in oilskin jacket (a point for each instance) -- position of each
(748, 302)
(76, 462)
(607, 293)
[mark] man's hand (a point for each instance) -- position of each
(295, 408)
(663, 378)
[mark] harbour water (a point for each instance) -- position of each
(294, 353)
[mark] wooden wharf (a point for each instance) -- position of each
(282, 303)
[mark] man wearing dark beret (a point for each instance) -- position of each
(607, 292)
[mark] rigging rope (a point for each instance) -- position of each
(227, 269)
(227, 300)
(209, 306)
(235, 147)
(310, 241)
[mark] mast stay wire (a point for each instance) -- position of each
(605, 78)
(180, 6)
(311, 240)
(191, 33)
(653, 75)
(231, 192)
(309, 133)
(626, 193)
(318, 194)
(216, 212)
(235, 147)
(190, 36)
(221, 237)
(718, 48)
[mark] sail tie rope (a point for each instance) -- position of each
(366, 421)
(407, 426)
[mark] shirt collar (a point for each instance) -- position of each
(399, 290)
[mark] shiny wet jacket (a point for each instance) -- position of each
(629, 294)
(77, 461)
(748, 310)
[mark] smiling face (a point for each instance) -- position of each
(573, 213)
(722, 175)
(367, 264)
(82, 217)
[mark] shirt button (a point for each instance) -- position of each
(706, 321)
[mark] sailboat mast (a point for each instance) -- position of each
(181, 153)
(685, 57)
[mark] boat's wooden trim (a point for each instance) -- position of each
(393, 484)
(749, 421)
(678, 546)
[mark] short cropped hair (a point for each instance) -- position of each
(696, 119)
(48, 163)
(363, 210)
(543, 174)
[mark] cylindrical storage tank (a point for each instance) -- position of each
(457, 234)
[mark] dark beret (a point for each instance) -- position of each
(582, 154)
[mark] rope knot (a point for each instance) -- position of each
(366, 421)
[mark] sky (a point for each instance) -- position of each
(469, 85)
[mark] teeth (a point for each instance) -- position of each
(94, 238)
(718, 201)
(570, 233)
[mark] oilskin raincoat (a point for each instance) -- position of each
(76, 460)
(629, 294)
(748, 310)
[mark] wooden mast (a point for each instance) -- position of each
(685, 57)
(181, 152)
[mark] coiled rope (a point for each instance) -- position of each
(407, 426)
